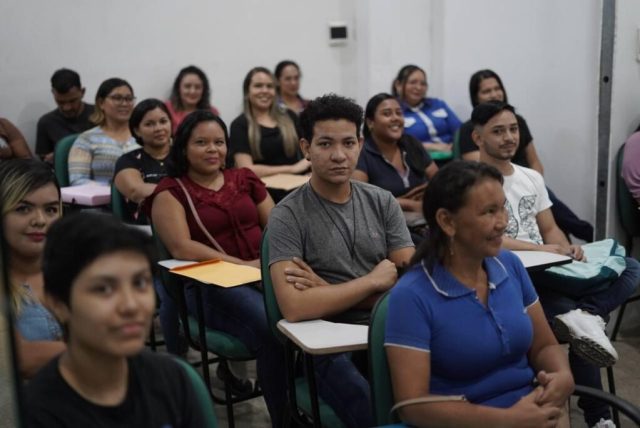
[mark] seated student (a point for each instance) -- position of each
(288, 76)
(391, 159)
(12, 142)
(485, 86)
(232, 205)
(465, 320)
(631, 165)
(335, 244)
(430, 120)
(190, 92)
(98, 278)
(138, 172)
(531, 226)
(30, 202)
(264, 138)
(71, 116)
(93, 156)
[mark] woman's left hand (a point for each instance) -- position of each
(558, 386)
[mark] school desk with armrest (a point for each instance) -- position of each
(225, 346)
(314, 336)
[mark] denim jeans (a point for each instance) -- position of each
(602, 304)
(169, 321)
(344, 389)
(240, 312)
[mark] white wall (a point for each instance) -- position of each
(147, 42)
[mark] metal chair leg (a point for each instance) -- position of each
(612, 390)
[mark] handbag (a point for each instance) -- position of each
(605, 262)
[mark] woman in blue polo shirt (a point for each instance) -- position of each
(430, 120)
(465, 331)
(391, 159)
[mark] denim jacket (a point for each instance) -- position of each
(35, 322)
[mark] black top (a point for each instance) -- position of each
(383, 174)
(53, 126)
(520, 158)
(271, 143)
(159, 395)
(151, 170)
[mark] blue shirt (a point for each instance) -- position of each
(35, 322)
(476, 351)
(431, 121)
(383, 174)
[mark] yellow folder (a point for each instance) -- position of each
(220, 273)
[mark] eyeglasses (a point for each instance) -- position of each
(119, 99)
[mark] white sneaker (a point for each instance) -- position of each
(605, 424)
(585, 333)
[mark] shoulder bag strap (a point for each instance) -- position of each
(198, 221)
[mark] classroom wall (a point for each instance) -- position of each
(548, 61)
(148, 42)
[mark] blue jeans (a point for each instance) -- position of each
(602, 304)
(240, 312)
(169, 320)
(344, 389)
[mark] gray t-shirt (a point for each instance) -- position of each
(322, 233)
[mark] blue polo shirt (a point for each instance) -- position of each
(476, 351)
(431, 121)
(383, 174)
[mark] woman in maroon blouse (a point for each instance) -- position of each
(233, 206)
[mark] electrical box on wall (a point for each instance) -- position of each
(338, 34)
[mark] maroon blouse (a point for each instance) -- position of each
(230, 214)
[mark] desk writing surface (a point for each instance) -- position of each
(539, 260)
(320, 337)
(91, 194)
(285, 181)
(414, 218)
(172, 263)
(218, 272)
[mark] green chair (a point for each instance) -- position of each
(300, 404)
(61, 159)
(382, 390)
(379, 378)
(456, 145)
(629, 217)
(117, 204)
(202, 394)
(224, 346)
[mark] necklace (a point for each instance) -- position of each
(344, 234)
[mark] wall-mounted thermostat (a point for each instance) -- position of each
(338, 34)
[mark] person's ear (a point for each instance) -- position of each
(304, 148)
(476, 137)
(82, 91)
(446, 222)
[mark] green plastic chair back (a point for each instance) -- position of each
(270, 303)
(628, 213)
(117, 203)
(379, 376)
(202, 395)
(456, 145)
(61, 159)
(327, 415)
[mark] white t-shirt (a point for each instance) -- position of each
(526, 197)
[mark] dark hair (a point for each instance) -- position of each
(77, 240)
(282, 64)
(370, 109)
(64, 79)
(448, 189)
(178, 164)
(205, 101)
(140, 110)
(482, 113)
(403, 76)
(19, 177)
(477, 78)
(104, 90)
(329, 107)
